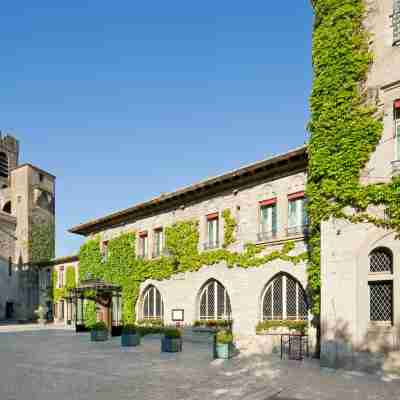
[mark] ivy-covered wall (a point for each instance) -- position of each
(42, 241)
(123, 268)
(344, 130)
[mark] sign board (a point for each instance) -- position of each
(178, 315)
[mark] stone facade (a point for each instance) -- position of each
(278, 181)
(55, 273)
(349, 338)
(27, 204)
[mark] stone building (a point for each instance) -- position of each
(267, 201)
(360, 263)
(27, 196)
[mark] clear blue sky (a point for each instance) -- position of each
(124, 100)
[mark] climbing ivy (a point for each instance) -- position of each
(58, 294)
(123, 268)
(42, 241)
(344, 130)
(230, 228)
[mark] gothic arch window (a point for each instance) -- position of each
(380, 284)
(214, 302)
(3, 165)
(152, 304)
(284, 299)
(7, 207)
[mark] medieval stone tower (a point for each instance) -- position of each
(27, 221)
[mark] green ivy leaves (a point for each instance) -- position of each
(123, 268)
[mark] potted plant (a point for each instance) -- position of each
(99, 332)
(223, 344)
(41, 314)
(130, 336)
(171, 341)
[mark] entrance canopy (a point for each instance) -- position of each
(96, 288)
(107, 297)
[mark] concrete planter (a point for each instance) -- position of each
(223, 351)
(98, 336)
(130, 340)
(171, 345)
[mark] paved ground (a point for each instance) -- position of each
(57, 364)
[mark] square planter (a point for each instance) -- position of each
(98, 336)
(223, 351)
(130, 340)
(169, 345)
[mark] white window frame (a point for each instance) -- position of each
(384, 277)
(158, 242)
(396, 119)
(144, 245)
(299, 292)
(300, 217)
(213, 232)
(227, 314)
(146, 294)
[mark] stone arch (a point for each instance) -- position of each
(151, 303)
(284, 298)
(7, 207)
(377, 239)
(213, 301)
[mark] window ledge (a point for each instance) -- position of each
(281, 239)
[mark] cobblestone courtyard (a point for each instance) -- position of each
(58, 364)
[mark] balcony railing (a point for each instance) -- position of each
(211, 245)
(265, 236)
(301, 230)
(160, 252)
(395, 167)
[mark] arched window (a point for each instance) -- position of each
(380, 283)
(153, 305)
(7, 207)
(3, 165)
(284, 299)
(214, 302)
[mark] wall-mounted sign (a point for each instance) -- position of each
(178, 315)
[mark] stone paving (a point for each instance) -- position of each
(57, 364)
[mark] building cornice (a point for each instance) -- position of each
(296, 158)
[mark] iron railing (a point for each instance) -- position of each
(264, 236)
(211, 245)
(301, 230)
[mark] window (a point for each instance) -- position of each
(60, 282)
(268, 220)
(284, 299)
(380, 283)
(297, 214)
(158, 242)
(212, 232)
(396, 22)
(143, 245)
(7, 207)
(3, 165)
(214, 302)
(396, 113)
(48, 278)
(153, 305)
(104, 250)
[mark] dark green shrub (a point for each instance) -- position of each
(300, 326)
(99, 326)
(129, 329)
(224, 337)
(172, 333)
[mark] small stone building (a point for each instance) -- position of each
(27, 218)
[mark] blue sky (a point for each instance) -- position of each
(124, 100)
